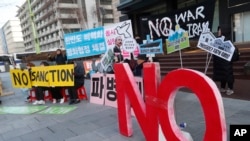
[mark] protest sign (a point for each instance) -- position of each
(85, 43)
(216, 46)
(177, 40)
(157, 110)
(97, 88)
(20, 78)
(48, 76)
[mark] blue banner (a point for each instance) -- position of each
(85, 43)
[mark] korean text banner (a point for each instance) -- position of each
(85, 43)
(48, 76)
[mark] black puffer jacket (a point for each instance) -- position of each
(223, 69)
(60, 59)
(79, 73)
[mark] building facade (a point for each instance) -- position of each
(3, 45)
(110, 13)
(11, 37)
(231, 15)
(44, 23)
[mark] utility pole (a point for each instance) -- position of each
(60, 30)
(37, 44)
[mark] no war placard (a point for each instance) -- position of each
(61, 75)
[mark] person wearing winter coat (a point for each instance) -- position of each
(59, 58)
(223, 71)
(78, 82)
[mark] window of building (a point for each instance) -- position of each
(108, 20)
(109, 11)
(241, 27)
(105, 2)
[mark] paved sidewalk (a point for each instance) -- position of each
(91, 122)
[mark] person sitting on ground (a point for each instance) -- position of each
(78, 82)
(40, 90)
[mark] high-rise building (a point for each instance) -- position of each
(3, 45)
(108, 11)
(11, 37)
(44, 22)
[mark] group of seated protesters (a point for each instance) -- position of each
(56, 92)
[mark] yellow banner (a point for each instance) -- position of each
(48, 76)
(39, 76)
(61, 75)
(20, 78)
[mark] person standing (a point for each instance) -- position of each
(223, 71)
(78, 82)
(59, 58)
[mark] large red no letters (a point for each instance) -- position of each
(158, 106)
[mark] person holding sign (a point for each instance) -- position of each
(117, 49)
(59, 58)
(223, 70)
(29, 65)
(78, 82)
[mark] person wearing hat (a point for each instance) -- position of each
(141, 59)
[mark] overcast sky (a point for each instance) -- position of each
(8, 10)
